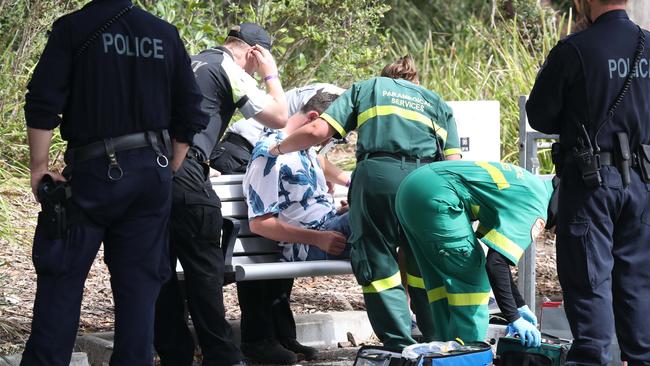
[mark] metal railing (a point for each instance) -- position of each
(529, 144)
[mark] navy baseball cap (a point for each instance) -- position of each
(252, 34)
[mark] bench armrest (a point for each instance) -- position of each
(230, 230)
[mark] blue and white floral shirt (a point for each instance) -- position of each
(291, 186)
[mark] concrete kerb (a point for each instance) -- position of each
(321, 330)
(98, 347)
(78, 359)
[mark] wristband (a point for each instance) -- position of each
(271, 77)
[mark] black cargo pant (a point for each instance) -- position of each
(265, 310)
(603, 265)
(130, 217)
(195, 240)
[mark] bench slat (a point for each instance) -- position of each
(227, 179)
(267, 271)
(235, 209)
(257, 245)
(229, 192)
(253, 259)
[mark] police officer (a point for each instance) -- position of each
(435, 205)
(401, 125)
(118, 169)
(602, 231)
(224, 77)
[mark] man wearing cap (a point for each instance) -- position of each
(224, 77)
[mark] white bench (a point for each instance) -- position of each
(251, 257)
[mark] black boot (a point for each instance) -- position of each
(268, 351)
(309, 353)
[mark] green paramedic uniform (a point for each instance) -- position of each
(436, 204)
(397, 124)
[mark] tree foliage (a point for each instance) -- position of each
(325, 40)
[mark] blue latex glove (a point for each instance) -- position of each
(527, 314)
(529, 334)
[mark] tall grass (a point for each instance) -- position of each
(481, 60)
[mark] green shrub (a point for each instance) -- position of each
(481, 60)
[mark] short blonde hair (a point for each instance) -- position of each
(236, 42)
(402, 68)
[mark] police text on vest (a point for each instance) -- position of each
(622, 66)
(133, 46)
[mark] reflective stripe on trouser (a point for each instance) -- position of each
(374, 242)
(450, 258)
(604, 266)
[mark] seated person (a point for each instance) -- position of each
(288, 202)
(232, 154)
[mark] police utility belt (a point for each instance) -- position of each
(623, 159)
(109, 147)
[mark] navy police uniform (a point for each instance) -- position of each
(602, 231)
(133, 82)
(196, 223)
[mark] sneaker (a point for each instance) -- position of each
(310, 353)
(268, 351)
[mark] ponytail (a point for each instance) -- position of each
(403, 68)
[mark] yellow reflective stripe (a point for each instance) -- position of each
(414, 281)
(334, 123)
(383, 110)
(437, 294)
(475, 210)
(496, 174)
(470, 299)
(452, 151)
(473, 299)
(383, 284)
(507, 245)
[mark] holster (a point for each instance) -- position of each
(54, 198)
(643, 156)
(623, 157)
(588, 164)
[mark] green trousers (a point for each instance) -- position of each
(374, 241)
(451, 259)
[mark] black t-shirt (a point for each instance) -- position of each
(136, 76)
(225, 87)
